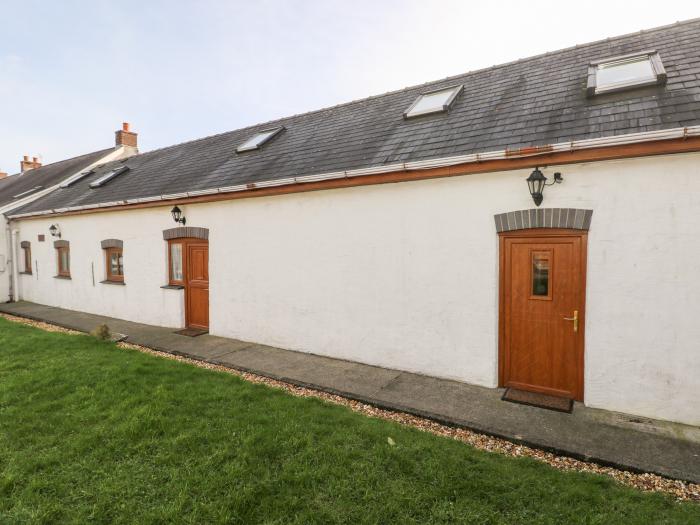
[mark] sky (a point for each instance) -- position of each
(72, 71)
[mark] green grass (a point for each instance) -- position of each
(90, 433)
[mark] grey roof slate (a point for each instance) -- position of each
(534, 101)
(45, 176)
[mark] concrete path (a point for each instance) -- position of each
(609, 438)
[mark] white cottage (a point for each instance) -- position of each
(34, 181)
(531, 225)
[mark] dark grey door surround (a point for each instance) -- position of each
(570, 218)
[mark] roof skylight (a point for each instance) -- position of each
(433, 101)
(624, 72)
(75, 178)
(258, 139)
(35, 188)
(108, 177)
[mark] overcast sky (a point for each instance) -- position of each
(72, 71)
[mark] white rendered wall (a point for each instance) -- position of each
(141, 299)
(5, 259)
(405, 275)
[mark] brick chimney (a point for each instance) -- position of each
(3, 174)
(26, 164)
(124, 137)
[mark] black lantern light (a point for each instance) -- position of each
(536, 183)
(55, 231)
(177, 215)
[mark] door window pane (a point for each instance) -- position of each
(176, 262)
(540, 274)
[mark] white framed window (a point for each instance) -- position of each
(257, 140)
(25, 193)
(625, 72)
(108, 177)
(438, 101)
(75, 178)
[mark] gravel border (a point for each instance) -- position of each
(681, 490)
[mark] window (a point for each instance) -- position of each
(433, 102)
(176, 277)
(624, 72)
(541, 267)
(35, 188)
(108, 177)
(115, 264)
(75, 178)
(63, 258)
(258, 139)
(27, 253)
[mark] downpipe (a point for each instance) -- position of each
(14, 292)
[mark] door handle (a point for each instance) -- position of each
(574, 319)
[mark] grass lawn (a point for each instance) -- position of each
(93, 433)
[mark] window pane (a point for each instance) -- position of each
(65, 260)
(625, 71)
(176, 262)
(540, 275)
(258, 139)
(116, 263)
(433, 102)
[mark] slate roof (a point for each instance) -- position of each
(45, 176)
(534, 101)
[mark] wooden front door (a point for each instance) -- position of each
(542, 311)
(197, 285)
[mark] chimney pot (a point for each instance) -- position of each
(126, 137)
(26, 164)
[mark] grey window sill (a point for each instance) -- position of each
(25, 273)
(173, 287)
(65, 277)
(118, 283)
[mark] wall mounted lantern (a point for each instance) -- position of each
(177, 215)
(55, 231)
(536, 183)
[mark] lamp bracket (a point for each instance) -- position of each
(558, 179)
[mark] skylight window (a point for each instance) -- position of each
(108, 177)
(75, 178)
(257, 140)
(35, 188)
(624, 72)
(433, 102)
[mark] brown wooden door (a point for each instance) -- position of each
(543, 284)
(197, 285)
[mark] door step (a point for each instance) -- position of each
(192, 332)
(535, 399)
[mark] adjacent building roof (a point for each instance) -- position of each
(531, 102)
(16, 187)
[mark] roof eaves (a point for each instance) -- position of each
(570, 146)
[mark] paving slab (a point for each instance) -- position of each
(338, 376)
(589, 432)
(610, 438)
